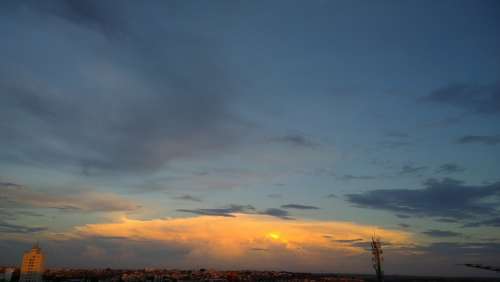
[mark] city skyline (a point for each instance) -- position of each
(273, 135)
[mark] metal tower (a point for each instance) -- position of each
(377, 258)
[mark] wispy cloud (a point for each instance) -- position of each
(480, 99)
(441, 233)
(494, 222)
(187, 198)
(83, 201)
(298, 140)
(348, 177)
(480, 139)
(6, 227)
(449, 168)
(394, 144)
(226, 212)
(411, 169)
(232, 210)
(279, 213)
(299, 207)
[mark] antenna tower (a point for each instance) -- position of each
(377, 258)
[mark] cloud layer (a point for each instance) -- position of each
(136, 95)
(439, 198)
(215, 241)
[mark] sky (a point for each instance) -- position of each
(251, 134)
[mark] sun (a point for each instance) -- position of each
(274, 235)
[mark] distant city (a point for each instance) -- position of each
(33, 270)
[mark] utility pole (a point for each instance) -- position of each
(377, 258)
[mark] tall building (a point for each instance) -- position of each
(33, 265)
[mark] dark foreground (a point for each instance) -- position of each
(163, 275)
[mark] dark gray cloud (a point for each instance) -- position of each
(132, 101)
(494, 222)
(480, 139)
(6, 227)
(447, 220)
(403, 216)
(296, 140)
(441, 233)
(404, 225)
(230, 210)
(348, 177)
(16, 213)
(332, 195)
(227, 211)
(480, 99)
(440, 198)
(394, 144)
(10, 185)
(299, 207)
(450, 168)
(411, 169)
(463, 249)
(283, 214)
(187, 198)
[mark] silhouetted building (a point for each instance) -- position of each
(33, 265)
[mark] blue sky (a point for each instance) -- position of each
(383, 115)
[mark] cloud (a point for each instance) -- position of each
(231, 210)
(441, 233)
(480, 99)
(6, 227)
(150, 95)
(299, 207)
(440, 198)
(188, 198)
(410, 169)
(404, 225)
(279, 213)
(494, 222)
(332, 195)
(297, 140)
(348, 177)
(225, 212)
(12, 215)
(83, 201)
(275, 196)
(478, 139)
(224, 242)
(450, 168)
(394, 144)
(447, 220)
(462, 250)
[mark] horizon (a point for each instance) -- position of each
(252, 134)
